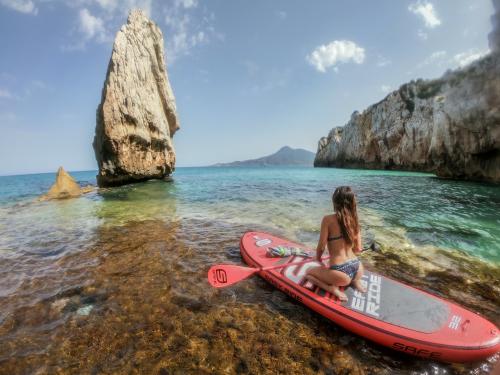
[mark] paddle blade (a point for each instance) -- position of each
(222, 275)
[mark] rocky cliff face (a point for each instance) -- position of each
(450, 126)
(137, 118)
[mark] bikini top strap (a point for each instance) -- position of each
(335, 238)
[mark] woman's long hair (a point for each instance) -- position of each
(344, 204)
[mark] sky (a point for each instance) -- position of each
(248, 76)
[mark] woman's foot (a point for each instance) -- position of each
(359, 286)
(336, 292)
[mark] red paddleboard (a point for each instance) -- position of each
(390, 313)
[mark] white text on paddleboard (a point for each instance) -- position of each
(369, 302)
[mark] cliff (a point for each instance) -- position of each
(450, 126)
(137, 118)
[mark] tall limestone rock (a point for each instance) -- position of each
(137, 117)
(450, 126)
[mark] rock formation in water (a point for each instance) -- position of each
(64, 187)
(137, 117)
(450, 126)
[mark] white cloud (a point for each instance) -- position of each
(444, 60)
(184, 31)
(108, 5)
(281, 14)
(5, 94)
(187, 3)
(426, 11)
(7, 76)
(422, 34)
(251, 67)
(33, 87)
(385, 88)
(22, 92)
(274, 79)
(465, 58)
(436, 58)
(91, 26)
(119, 8)
(23, 6)
(96, 25)
(187, 24)
(8, 117)
(334, 53)
(39, 84)
(145, 5)
(383, 61)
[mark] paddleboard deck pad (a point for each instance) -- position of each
(390, 313)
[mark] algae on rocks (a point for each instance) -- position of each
(137, 117)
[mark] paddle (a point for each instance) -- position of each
(222, 275)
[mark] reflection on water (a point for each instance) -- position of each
(115, 281)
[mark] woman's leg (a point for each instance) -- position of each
(329, 280)
(356, 282)
(318, 282)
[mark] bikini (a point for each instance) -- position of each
(350, 268)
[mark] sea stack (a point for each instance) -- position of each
(450, 126)
(137, 117)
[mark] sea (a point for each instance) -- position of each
(115, 281)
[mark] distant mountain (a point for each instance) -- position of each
(286, 156)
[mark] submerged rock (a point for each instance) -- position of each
(64, 187)
(450, 126)
(137, 117)
(85, 310)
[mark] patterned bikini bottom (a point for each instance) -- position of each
(350, 268)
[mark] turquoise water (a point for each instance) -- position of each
(396, 208)
(116, 280)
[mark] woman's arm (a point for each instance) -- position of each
(323, 238)
(358, 247)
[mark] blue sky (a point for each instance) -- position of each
(248, 76)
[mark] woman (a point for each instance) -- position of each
(340, 232)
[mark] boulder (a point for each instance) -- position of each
(137, 116)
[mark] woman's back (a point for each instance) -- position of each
(340, 234)
(338, 247)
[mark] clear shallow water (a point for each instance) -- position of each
(119, 274)
(451, 215)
